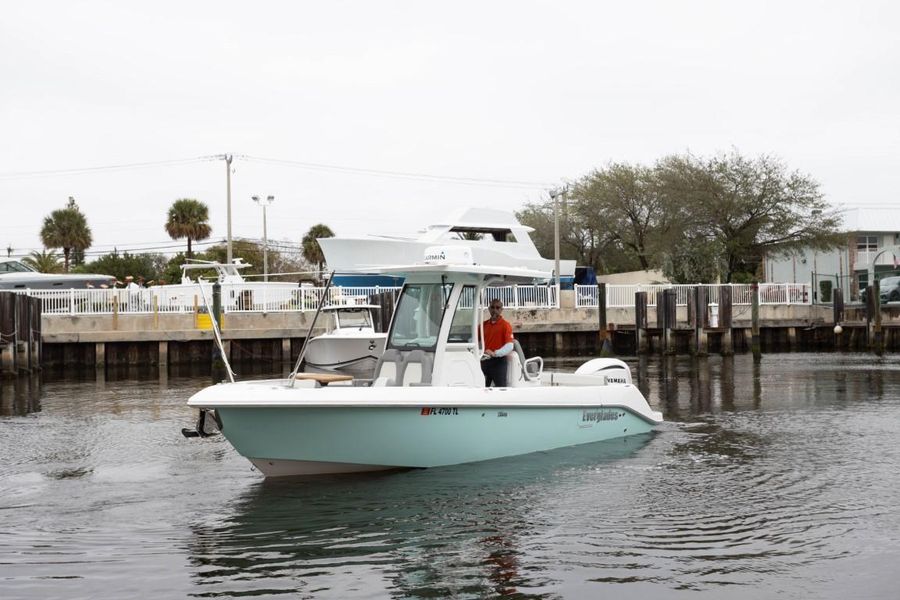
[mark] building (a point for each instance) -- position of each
(873, 243)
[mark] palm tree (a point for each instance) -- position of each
(188, 218)
(66, 228)
(43, 262)
(312, 252)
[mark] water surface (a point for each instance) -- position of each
(770, 480)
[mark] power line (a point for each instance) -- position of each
(401, 174)
(459, 180)
(162, 247)
(86, 170)
(130, 250)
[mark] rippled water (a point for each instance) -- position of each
(777, 480)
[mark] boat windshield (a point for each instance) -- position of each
(14, 266)
(418, 316)
(461, 326)
(354, 318)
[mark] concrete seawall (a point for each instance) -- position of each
(177, 339)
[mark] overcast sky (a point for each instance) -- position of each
(534, 93)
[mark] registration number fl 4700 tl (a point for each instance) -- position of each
(445, 411)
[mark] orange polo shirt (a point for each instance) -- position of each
(497, 335)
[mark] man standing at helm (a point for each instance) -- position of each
(498, 342)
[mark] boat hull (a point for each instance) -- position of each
(289, 441)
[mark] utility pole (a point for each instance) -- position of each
(228, 158)
(555, 194)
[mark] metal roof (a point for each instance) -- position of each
(875, 218)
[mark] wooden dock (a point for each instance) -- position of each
(20, 334)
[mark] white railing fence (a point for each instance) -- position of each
(522, 296)
(249, 298)
(236, 298)
(622, 296)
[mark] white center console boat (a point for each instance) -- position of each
(427, 404)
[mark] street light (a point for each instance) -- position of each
(264, 203)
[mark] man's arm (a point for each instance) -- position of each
(503, 350)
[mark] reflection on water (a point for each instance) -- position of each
(771, 479)
(20, 395)
(424, 533)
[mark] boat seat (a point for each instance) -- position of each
(531, 368)
(417, 368)
(389, 369)
(514, 375)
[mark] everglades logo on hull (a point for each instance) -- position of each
(595, 416)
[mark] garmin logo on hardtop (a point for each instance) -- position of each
(439, 256)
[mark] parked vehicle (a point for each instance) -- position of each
(890, 289)
(889, 292)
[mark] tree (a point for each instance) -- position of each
(188, 218)
(579, 240)
(66, 228)
(699, 220)
(736, 208)
(312, 252)
(624, 201)
(45, 261)
(610, 220)
(146, 266)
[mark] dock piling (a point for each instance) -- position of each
(725, 320)
(698, 320)
(218, 361)
(838, 315)
(754, 322)
(20, 333)
(640, 322)
(878, 333)
(606, 348)
(669, 316)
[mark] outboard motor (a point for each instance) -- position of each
(208, 424)
(613, 370)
